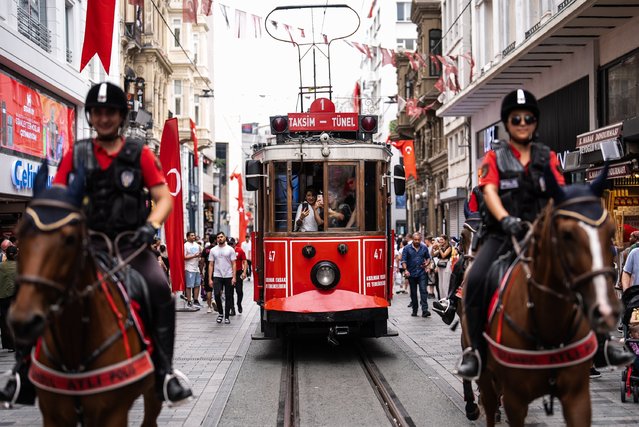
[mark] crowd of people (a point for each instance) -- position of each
(215, 272)
(424, 267)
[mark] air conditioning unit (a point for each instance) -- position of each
(572, 161)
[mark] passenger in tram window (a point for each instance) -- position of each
(308, 217)
(338, 213)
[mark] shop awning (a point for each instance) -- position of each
(208, 197)
(566, 32)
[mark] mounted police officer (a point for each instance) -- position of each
(121, 173)
(511, 179)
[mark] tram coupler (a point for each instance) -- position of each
(334, 332)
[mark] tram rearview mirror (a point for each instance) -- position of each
(253, 173)
(399, 180)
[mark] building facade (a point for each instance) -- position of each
(41, 93)
(579, 58)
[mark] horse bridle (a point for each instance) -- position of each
(574, 283)
(75, 214)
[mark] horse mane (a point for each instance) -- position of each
(542, 230)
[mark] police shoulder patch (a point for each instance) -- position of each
(483, 171)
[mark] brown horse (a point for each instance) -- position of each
(560, 289)
(87, 336)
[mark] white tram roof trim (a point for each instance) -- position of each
(282, 152)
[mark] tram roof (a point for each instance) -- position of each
(317, 152)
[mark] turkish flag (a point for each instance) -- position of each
(98, 33)
(194, 139)
(408, 151)
(174, 225)
(240, 206)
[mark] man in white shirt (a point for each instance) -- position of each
(246, 247)
(192, 252)
(222, 274)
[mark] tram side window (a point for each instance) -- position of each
(370, 196)
(342, 195)
(281, 191)
(306, 198)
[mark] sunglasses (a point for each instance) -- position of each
(528, 119)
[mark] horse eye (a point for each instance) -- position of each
(566, 235)
(70, 240)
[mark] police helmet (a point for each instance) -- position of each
(107, 95)
(519, 99)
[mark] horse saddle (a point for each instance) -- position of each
(496, 273)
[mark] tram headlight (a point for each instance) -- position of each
(325, 275)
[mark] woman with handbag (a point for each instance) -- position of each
(444, 252)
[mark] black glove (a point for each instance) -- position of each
(144, 234)
(512, 225)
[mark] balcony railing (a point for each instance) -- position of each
(34, 30)
(69, 56)
(133, 32)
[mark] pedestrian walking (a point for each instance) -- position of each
(247, 246)
(414, 259)
(192, 252)
(222, 275)
(240, 274)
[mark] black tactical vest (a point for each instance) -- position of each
(117, 199)
(523, 193)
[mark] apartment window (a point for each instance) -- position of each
(196, 112)
(621, 89)
(196, 47)
(434, 48)
(408, 44)
(177, 95)
(403, 11)
(177, 29)
(32, 22)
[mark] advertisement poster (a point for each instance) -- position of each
(34, 123)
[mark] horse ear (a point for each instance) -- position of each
(552, 187)
(599, 184)
(41, 178)
(76, 186)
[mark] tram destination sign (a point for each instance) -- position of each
(303, 122)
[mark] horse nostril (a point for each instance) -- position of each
(29, 329)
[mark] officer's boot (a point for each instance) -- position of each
(469, 367)
(611, 353)
(167, 383)
(19, 389)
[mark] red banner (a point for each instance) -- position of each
(33, 123)
(194, 139)
(408, 151)
(240, 206)
(189, 11)
(98, 33)
(174, 225)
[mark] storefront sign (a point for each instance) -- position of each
(591, 141)
(32, 122)
(23, 173)
(615, 171)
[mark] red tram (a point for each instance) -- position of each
(335, 276)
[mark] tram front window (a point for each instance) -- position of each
(342, 195)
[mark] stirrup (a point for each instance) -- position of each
(16, 376)
(470, 350)
(179, 375)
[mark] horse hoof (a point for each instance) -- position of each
(472, 411)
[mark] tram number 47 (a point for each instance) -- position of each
(271, 256)
(377, 254)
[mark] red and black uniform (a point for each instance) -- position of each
(239, 269)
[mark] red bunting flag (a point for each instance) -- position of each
(435, 62)
(207, 6)
(359, 47)
(370, 12)
(174, 225)
(290, 35)
(413, 64)
(240, 206)
(196, 162)
(387, 56)
(325, 37)
(98, 33)
(408, 151)
(420, 59)
(189, 11)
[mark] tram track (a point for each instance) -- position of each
(289, 397)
